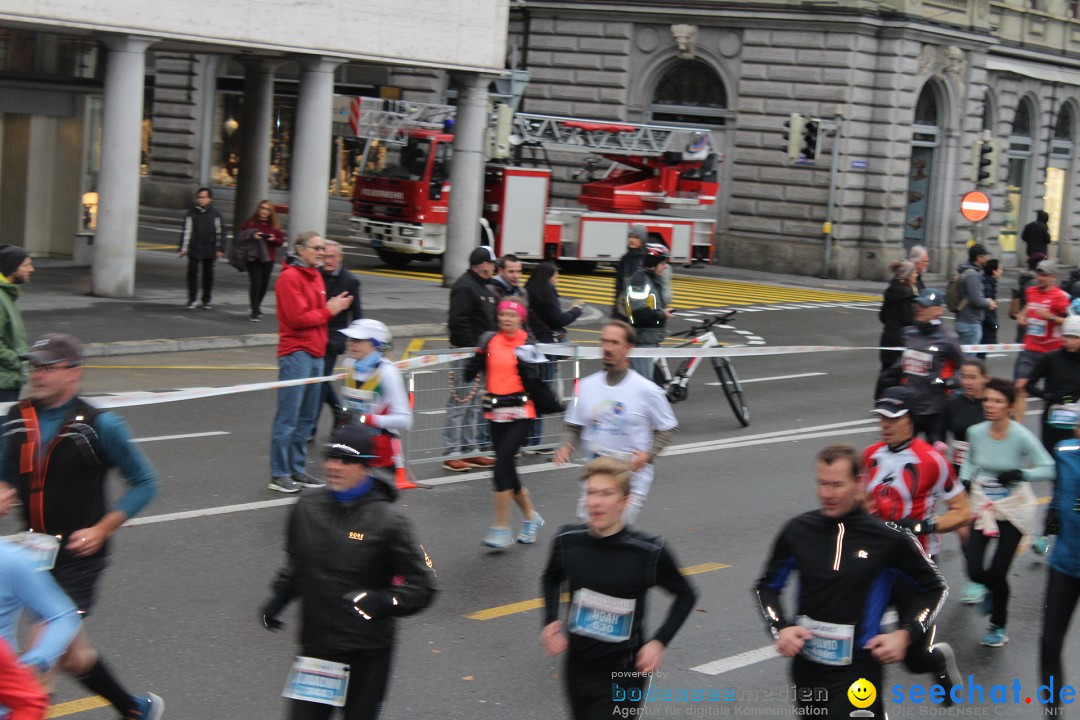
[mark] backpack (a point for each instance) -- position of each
(641, 302)
(955, 298)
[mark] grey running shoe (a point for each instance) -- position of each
(306, 480)
(284, 485)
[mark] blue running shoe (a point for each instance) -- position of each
(148, 707)
(499, 537)
(996, 636)
(1041, 545)
(529, 528)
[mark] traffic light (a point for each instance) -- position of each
(810, 139)
(986, 160)
(793, 128)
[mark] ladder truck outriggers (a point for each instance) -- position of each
(400, 199)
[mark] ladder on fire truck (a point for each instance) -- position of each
(390, 121)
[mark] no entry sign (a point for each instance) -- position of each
(975, 206)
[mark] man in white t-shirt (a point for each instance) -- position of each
(618, 413)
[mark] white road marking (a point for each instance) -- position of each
(761, 654)
(778, 377)
(993, 355)
(205, 512)
(182, 437)
(432, 412)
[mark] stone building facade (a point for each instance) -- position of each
(913, 86)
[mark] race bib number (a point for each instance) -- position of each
(917, 362)
(600, 616)
(601, 451)
(960, 452)
(992, 488)
(1036, 326)
(508, 414)
(832, 644)
(43, 548)
(318, 681)
(361, 402)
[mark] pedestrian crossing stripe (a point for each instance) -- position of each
(689, 292)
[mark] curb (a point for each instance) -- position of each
(224, 342)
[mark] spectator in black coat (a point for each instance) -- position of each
(629, 264)
(338, 279)
(992, 272)
(897, 311)
(547, 324)
(1036, 235)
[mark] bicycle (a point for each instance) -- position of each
(677, 386)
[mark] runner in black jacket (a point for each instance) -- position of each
(846, 560)
(353, 560)
(608, 569)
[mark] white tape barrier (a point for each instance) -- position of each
(563, 350)
(134, 399)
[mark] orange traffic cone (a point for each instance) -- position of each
(401, 479)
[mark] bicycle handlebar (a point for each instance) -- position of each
(707, 325)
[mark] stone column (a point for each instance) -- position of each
(309, 184)
(255, 127)
(113, 273)
(466, 175)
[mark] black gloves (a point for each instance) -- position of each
(370, 604)
(271, 610)
(919, 527)
(1011, 477)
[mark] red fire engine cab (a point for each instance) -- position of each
(401, 195)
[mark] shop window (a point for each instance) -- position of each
(690, 92)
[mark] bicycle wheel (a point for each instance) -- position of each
(725, 373)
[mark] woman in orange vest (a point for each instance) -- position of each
(510, 364)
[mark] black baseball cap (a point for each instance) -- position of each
(350, 443)
(481, 254)
(895, 402)
(976, 250)
(930, 297)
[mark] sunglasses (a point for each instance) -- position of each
(51, 367)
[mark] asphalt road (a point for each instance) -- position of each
(178, 609)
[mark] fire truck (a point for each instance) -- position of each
(401, 195)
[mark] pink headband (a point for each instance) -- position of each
(515, 306)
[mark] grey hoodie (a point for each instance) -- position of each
(971, 289)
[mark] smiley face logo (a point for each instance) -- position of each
(862, 693)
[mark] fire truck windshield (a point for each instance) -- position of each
(404, 162)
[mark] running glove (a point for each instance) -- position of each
(370, 604)
(1011, 477)
(270, 611)
(919, 527)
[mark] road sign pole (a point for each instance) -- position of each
(826, 260)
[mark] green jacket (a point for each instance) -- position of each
(12, 338)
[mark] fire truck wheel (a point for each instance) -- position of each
(394, 259)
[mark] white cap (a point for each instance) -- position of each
(372, 330)
(1071, 326)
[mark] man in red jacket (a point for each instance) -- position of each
(302, 311)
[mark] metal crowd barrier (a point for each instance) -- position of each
(430, 391)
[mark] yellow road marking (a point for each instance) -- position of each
(688, 292)
(537, 603)
(77, 706)
(154, 246)
(415, 346)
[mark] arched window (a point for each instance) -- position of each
(926, 109)
(690, 92)
(987, 114)
(1063, 129)
(1022, 121)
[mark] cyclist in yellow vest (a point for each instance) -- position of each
(373, 392)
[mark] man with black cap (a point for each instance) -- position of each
(56, 451)
(905, 479)
(472, 313)
(928, 366)
(353, 560)
(973, 300)
(16, 267)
